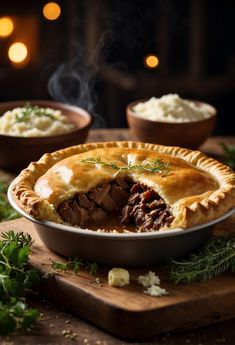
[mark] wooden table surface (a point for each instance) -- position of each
(53, 320)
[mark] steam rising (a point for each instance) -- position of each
(73, 83)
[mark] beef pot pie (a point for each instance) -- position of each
(126, 186)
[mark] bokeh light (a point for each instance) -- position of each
(151, 61)
(51, 11)
(17, 52)
(6, 26)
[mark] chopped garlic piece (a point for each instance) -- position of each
(156, 291)
(149, 279)
(118, 277)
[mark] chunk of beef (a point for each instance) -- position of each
(101, 196)
(134, 199)
(72, 213)
(136, 188)
(118, 194)
(126, 217)
(84, 201)
(122, 183)
(94, 206)
(138, 205)
(145, 209)
(98, 215)
(84, 214)
(157, 204)
(99, 193)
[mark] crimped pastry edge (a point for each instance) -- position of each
(205, 210)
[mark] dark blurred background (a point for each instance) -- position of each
(103, 54)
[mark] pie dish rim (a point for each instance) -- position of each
(130, 235)
(223, 197)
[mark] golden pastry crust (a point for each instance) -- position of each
(197, 188)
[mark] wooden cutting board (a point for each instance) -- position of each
(127, 312)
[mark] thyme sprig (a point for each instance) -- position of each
(156, 166)
(216, 257)
(31, 110)
(23, 239)
(74, 265)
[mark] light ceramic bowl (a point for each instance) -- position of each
(111, 249)
(17, 152)
(185, 134)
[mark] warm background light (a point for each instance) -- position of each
(151, 61)
(51, 11)
(6, 26)
(17, 52)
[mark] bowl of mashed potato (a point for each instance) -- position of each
(28, 129)
(171, 120)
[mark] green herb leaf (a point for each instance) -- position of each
(23, 239)
(216, 257)
(92, 268)
(74, 265)
(3, 187)
(15, 277)
(29, 111)
(229, 151)
(29, 318)
(6, 211)
(157, 166)
(7, 321)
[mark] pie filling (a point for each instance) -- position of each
(120, 205)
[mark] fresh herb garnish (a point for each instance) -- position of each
(31, 110)
(74, 265)
(6, 211)
(229, 151)
(19, 237)
(216, 257)
(3, 187)
(157, 166)
(15, 278)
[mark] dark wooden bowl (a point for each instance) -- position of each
(17, 152)
(187, 134)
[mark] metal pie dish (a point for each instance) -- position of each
(125, 249)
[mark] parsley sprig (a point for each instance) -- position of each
(15, 278)
(216, 257)
(31, 110)
(156, 166)
(6, 211)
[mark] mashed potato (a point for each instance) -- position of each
(33, 121)
(171, 108)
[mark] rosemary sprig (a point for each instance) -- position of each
(74, 265)
(216, 257)
(31, 110)
(229, 154)
(157, 166)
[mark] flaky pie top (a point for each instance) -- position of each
(196, 188)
